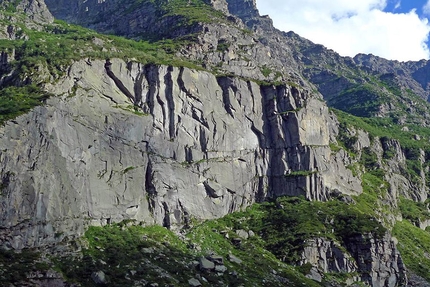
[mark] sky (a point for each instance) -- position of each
(392, 29)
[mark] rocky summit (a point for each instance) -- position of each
(191, 143)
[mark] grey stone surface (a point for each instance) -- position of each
(99, 278)
(377, 262)
(36, 10)
(205, 264)
(234, 259)
(242, 233)
(201, 147)
(193, 282)
(220, 268)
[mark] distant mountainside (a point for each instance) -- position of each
(191, 143)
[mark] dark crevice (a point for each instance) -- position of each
(225, 83)
(170, 101)
(117, 81)
(138, 89)
(152, 77)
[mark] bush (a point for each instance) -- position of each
(15, 101)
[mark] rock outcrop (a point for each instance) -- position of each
(191, 145)
(370, 260)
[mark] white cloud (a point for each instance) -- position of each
(350, 27)
(398, 5)
(426, 8)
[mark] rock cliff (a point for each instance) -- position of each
(366, 256)
(188, 145)
(122, 140)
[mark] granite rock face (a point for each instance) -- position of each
(36, 10)
(375, 261)
(166, 145)
(187, 145)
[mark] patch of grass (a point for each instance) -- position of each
(334, 147)
(301, 173)
(128, 253)
(413, 211)
(222, 46)
(118, 249)
(266, 71)
(361, 100)
(15, 101)
(388, 129)
(414, 246)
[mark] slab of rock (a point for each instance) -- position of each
(205, 264)
(193, 282)
(234, 259)
(219, 260)
(242, 233)
(99, 277)
(220, 268)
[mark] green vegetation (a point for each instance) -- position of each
(414, 246)
(413, 136)
(300, 173)
(291, 221)
(415, 212)
(413, 141)
(10, 5)
(130, 168)
(361, 100)
(281, 228)
(60, 44)
(222, 46)
(266, 71)
(127, 253)
(119, 249)
(14, 266)
(194, 11)
(386, 128)
(15, 101)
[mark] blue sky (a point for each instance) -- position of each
(393, 29)
(405, 6)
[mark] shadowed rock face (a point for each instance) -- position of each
(370, 258)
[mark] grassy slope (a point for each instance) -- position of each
(124, 254)
(281, 229)
(413, 242)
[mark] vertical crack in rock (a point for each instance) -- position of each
(166, 219)
(225, 83)
(152, 77)
(138, 88)
(251, 93)
(118, 82)
(203, 140)
(185, 216)
(274, 144)
(168, 81)
(150, 187)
